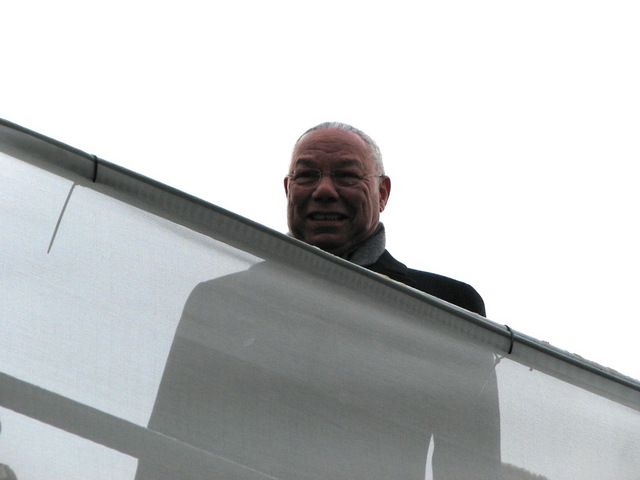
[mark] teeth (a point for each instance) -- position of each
(326, 216)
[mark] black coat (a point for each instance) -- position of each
(447, 289)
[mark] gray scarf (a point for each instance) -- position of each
(369, 251)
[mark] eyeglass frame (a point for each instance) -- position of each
(355, 176)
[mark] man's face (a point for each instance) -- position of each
(334, 218)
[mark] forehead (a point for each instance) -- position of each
(330, 145)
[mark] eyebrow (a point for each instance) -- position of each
(343, 162)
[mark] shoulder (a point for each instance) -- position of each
(453, 291)
(445, 288)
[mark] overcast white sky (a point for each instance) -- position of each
(509, 128)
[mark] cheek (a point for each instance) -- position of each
(296, 201)
(296, 206)
(369, 202)
(357, 198)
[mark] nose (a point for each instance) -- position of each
(325, 190)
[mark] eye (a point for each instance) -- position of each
(306, 176)
(345, 174)
(346, 177)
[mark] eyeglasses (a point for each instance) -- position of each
(341, 178)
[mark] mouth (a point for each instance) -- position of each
(327, 217)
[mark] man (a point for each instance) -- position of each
(336, 189)
(282, 373)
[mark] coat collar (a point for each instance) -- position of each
(389, 266)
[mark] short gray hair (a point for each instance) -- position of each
(376, 155)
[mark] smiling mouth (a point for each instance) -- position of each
(327, 217)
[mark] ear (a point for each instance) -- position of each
(286, 185)
(384, 190)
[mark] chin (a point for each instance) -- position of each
(331, 246)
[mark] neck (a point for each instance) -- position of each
(368, 251)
